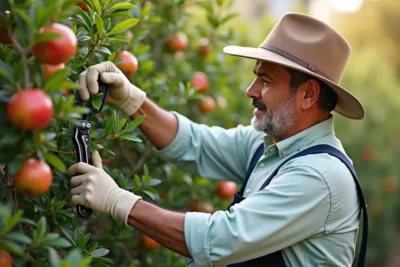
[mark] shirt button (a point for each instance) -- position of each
(247, 191)
(261, 165)
(284, 152)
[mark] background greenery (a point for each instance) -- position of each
(26, 223)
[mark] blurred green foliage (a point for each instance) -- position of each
(373, 144)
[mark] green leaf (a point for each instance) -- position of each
(130, 137)
(12, 247)
(99, 23)
(25, 17)
(122, 123)
(64, 213)
(6, 71)
(40, 230)
(58, 204)
(146, 173)
(154, 182)
(44, 37)
(121, 15)
(83, 38)
(104, 50)
(53, 82)
(107, 24)
(28, 221)
(44, 15)
(85, 263)
(57, 242)
(53, 258)
(135, 123)
(100, 252)
(119, 39)
(136, 181)
(110, 57)
(206, 6)
(109, 125)
(55, 161)
(96, 102)
(121, 7)
(74, 257)
(92, 247)
(11, 137)
(123, 26)
(84, 20)
(81, 241)
(68, 85)
(116, 119)
(100, 260)
(212, 20)
(68, 234)
(153, 196)
(97, 6)
(15, 165)
(18, 237)
(228, 17)
(100, 264)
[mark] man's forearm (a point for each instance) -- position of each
(159, 125)
(166, 227)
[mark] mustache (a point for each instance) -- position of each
(259, 104)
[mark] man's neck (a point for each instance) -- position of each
(300, 126)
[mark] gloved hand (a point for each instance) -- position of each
(122, 93)
(95, 189)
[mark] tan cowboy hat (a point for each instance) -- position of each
(308, 45)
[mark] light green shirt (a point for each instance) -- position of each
(310, 209)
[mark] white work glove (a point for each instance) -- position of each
(122, 93)
(95, 189)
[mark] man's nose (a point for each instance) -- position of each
(253, 91)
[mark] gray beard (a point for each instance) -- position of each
(276, 123)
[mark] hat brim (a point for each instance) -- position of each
(348, 105)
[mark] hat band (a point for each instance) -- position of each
(294, 59)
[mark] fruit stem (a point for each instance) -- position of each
(24, 58)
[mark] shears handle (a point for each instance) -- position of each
(81, 140)
(83, 154)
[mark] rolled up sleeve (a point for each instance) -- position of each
(198, 224)
(212, 151)
(177, 147)
(292, 208)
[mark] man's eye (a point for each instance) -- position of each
(266, 82)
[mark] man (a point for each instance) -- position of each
(307, 215)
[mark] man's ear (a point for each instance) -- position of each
(310, 93)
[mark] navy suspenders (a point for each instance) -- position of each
(276, 259)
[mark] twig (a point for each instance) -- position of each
(24, 58)
(127, 253)
(126, 156)
(62, 152)
(15, 202)
(141, 161)
(138, 165)
(94, 46)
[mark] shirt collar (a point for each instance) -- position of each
(301, 139)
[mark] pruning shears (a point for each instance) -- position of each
(81, 138)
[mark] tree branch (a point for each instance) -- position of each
(24, 58)
(140, 162)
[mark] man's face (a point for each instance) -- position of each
(275, 107)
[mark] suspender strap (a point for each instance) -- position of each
(318, 149)
(257, 155)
